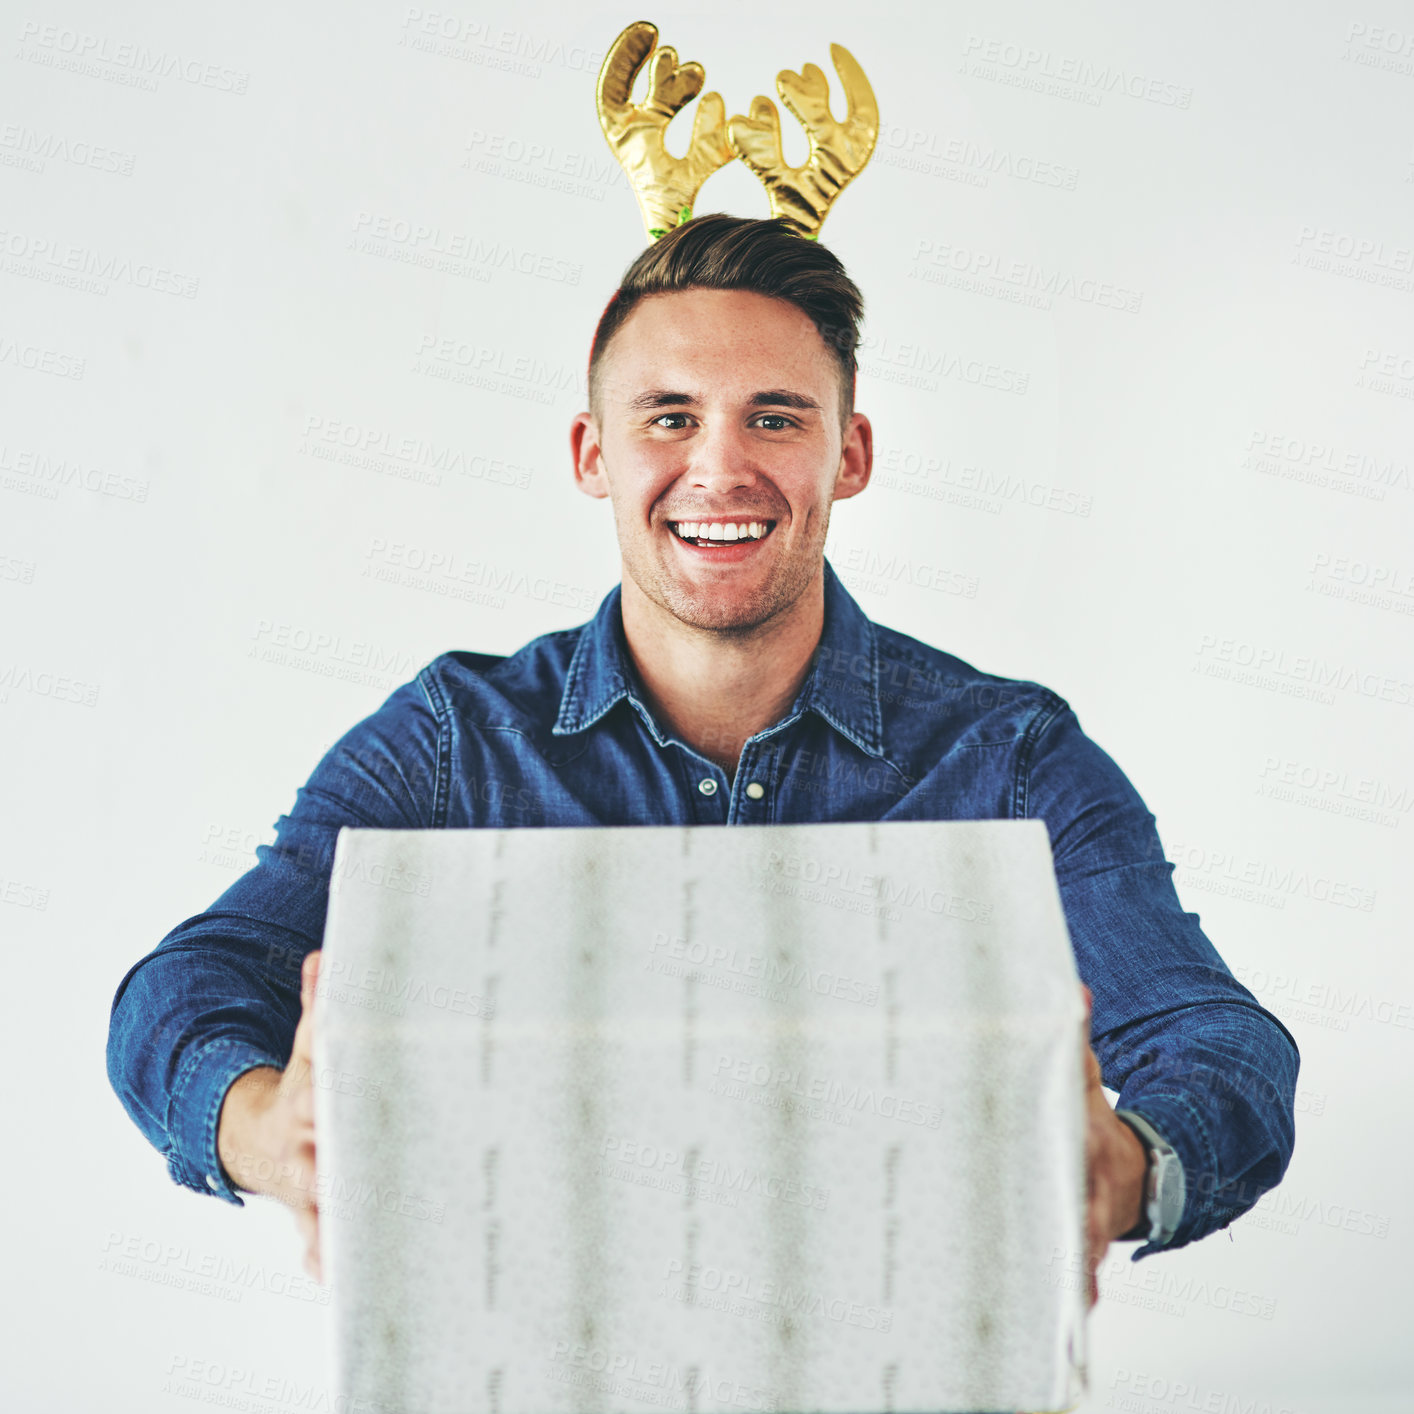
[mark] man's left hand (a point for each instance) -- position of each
(1114, 1169)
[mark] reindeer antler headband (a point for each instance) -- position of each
(667, 186)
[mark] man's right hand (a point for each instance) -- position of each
(265, 1134)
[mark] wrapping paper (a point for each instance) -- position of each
(763, 1118)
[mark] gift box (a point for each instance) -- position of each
(714, 1119)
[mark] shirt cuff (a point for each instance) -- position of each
(201, 1085)
(1180, 1125)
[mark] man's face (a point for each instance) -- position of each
(720, 415)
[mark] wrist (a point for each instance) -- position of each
(1132, 1205)
(1165, 1185)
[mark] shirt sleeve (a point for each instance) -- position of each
(1185, 1044)
(220, 994)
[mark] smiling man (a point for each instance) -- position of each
(722, 430)
(729, 679)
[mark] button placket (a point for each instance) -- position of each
(748, 788)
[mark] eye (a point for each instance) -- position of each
(657, 421)
(780, 418)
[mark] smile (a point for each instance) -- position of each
(720, 532)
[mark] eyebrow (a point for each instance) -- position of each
(767, 397)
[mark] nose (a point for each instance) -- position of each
(723, 460)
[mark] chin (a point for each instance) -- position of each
(722, 618)
(731, 604)
(738, 608)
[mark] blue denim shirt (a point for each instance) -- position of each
(884, 727)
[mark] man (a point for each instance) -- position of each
(729, 679)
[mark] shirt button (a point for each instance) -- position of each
(212, 1184)
(756, 790)
(707, 786)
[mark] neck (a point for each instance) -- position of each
(713, 689)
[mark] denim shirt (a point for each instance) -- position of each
(884, 727)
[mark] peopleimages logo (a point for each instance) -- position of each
(919, 149)
(732, 1074)
(121, 61)
(1064, 76)
(732, 1178)
(654, 1382)
(454, 252)
(1282, 880)
(881, 887)
(1262, 665)
(451, 36)
(57, 261)
(1335, 791)
(987, 273)
(692, 1283)
(23, 146)
(771, 971)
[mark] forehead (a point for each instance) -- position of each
(726, 336)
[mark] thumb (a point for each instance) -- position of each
(309, 978)
(1090, 1061)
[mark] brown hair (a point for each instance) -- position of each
(721, 252)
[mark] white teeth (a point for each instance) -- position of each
(722, 530)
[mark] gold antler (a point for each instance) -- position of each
(838, 151)
(666, 186)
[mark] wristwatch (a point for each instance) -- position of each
(1164, 1186)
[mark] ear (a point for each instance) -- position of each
(588, 457)
(856, 458)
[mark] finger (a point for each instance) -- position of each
(309, 978)
(1094, 1252)
(1091, 1061)
(302, 1048)
(304, 1158)
(296, 1149)
(307, 1220)
(302, 1108)
(300, 1066)
(316, 1252)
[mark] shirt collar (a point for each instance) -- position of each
(842, 685)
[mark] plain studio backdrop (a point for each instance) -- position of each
(295, 304)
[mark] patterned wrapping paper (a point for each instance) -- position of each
(769, 1118)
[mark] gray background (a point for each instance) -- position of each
(224, 538)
